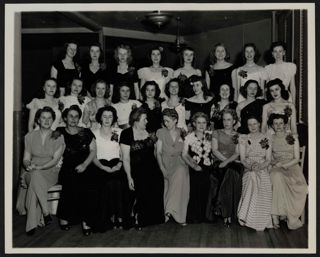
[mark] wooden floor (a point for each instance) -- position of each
(165, 235)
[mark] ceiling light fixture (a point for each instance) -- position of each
(158, 18)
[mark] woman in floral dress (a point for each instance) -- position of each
(197, 154)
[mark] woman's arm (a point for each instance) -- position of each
(267, 162)
(159, 158)
(234, 78)
(293, 122)
(53, 162)
(86, 115)
(125, 149)
(296, 156)
(32, 114)
(111, 92)
(292, 88)
(93, 152)
(136, 90)
(53, 72)
(215, 150)
(207, 79)
(264, 126)
(243, 159)
(186, 157)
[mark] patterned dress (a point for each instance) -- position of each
(254, 208)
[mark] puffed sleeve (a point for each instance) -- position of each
(59, 142)
(215, 134)
(126, 136)
(292, 68)
(27, 142)
(141, 73)
(33, 104)
(159, 134)
(263, 74)
(243, 139)
(170, 72)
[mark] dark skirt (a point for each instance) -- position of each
(199, 189)
(225, 190)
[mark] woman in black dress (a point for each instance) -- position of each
(123, 72)
(219, 70)
(66, 69)
(150, 93)
(143, 173)
(95, 69)
(78, 190)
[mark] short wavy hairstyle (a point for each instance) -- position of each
(187, 48)
(107, 109)
(94, 86)
(71, 108)
(42, 93)
(68, 88)
(126, 47)
(244, 92)
(167, 87)
(136, 114)
(199, 115)
(231, 89)
(284, 93)
(212, 55)
(278, 43)
(172, 113)
(232, 112)
(144, 88)
(42, 110)
(204, 88)
(255, 49)
(256, 117)
(275, 116)
(101, 57)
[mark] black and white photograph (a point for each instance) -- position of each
(160, 128)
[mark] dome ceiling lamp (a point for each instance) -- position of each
(158, 18)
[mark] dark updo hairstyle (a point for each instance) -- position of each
(232, 112)
(255, 49)
(172, 113)
(187, 48)
(101, 57)
(212, 56)
(68, 88)
(231, 89)
(135, 115)
(126, 47)
(71, 108)
(166, 89)
(94, 86)
(41, 91)
(156, 48)
(204, 88)
(199, 115)
(256, 117)
(107, 109)
(284, 93)
(275, 116)
(42, 110)
(278, 43)
(144, 88)
(243, 89)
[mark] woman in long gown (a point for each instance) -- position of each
(280, 69)
(251, 106)
(226, 175)
(254, 210)
(49, 99)
(40, 171)
(197, 154)
(187, 60)
(278, 102)
(249, 71)
(219, 70)
(143, 173)
(76, 203)
(289, 187)
(174, 169)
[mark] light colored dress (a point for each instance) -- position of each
(37, 104)
(38, 181)
(254, 208)
(181, 113)
(289, 187)
(161, 77)
(176, 184)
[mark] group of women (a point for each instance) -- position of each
(133, 148)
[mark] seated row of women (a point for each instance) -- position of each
(123, 178)
(218, 71)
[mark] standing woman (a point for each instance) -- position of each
(49, 92)
(187, 60)
(150, 93)
(161, 75)
(254, 208)
(143, 173)
(100, 92)
(124, 72)
(289, 187)
(249, 71)
(66, 69)
(95, 69)
(174, 169)
(109, 173)
(173, 92)
(219, 70)
(223, 101)
(280, 69)
(277, 98)
(197, 154)
(226, 175)
(75, 203)
(40, 172)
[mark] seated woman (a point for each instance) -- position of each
(197, 154)
(252, 106)
(49, 92)
(173, 167)
(277, 98)
(223, 101)
(143, 173)
(100, 91)
(289, 187)
(150, 93)
(254, 210)
(78, 190)
(173, 91)
(125, 105)
(226, 175)
(40, 172)
(109, 173)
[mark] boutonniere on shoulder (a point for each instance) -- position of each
(264, 143)
(114, 136)
(60, 106)
(235, 139)
(243, 74)
(287, 111)
(183, 133)
(208, 135)
(290, 139)
(81, 99)
(131, 70)
(164, 73)
(55, 134)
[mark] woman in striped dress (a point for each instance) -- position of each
(254, 208)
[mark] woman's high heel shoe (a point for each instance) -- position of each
(65, 227)
(86, 230)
